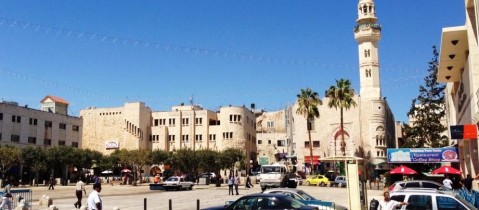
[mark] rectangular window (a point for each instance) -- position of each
(171, 121)
(315, 143)
(162, 121)
(185, 121)
(311, 125)
(15, 138)
(199, 137)
(0, 136)
(171, 138)
(61, 143)
(1, 116)
(260, 141)
(281, 143)
(47, 142)
(75, 144)
(62, 126)
(155, 122)
(32, 140)
(16, 119)
(185, 138)
(269, 141)
(48, 124)
(75, 128)
(212, 137)
(270, 124)
(199, 121)
(235, 118)
(32, 121)
(306, 144)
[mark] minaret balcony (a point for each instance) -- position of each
(362, 26)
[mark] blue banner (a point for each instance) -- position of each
(423, 155)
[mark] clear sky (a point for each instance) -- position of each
(219, 52)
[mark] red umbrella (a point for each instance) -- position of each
(446, 170)
(402, 170)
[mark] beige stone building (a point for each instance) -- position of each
(459, 69)
(50, 126)
(135, 126)
(370, 125)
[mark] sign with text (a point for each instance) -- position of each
(464, 131)
(423, 155)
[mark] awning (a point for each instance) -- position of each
(307, 159)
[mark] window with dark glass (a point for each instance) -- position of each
(75, 144)
(48, 124)
(61, 143)
(47, 142)
(62, 126)
(15, 138)
(315, 143)
(32, 140)
(75, 128)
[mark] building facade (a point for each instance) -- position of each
(369, 128)
(135, 126)
(20, 125)
(459, 69)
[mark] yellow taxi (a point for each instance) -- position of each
(319, 180)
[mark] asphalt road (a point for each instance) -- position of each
(132, 197)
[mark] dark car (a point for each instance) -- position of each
(264, 201)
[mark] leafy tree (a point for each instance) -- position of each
(308, 102)
(427, 110)
(159, 156)
(139, 158)
(58, 159)
(185, 161)
(341, 96)
(34, 159)
(207, 160)
(9, 156)
(230, 156)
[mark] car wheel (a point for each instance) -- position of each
(323, 184)
(340, 185)
(263, 189)
(180, 188)
(307, 183)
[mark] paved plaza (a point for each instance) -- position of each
(132, 197)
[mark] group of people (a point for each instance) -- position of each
(94, 201)
(234, 181)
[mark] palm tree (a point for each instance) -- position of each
(308, 102)
(341, 96)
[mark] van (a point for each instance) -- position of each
(273, 176)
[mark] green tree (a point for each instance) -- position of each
(34, 159)
(308, 102)
(341, 96)
(427, 110)
(139, 158)
(230, 156)
(159, 156)
(9, 156)
(58, 159)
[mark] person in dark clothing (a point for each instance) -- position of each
(467, 182)
(52, 183)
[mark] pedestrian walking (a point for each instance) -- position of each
(236, 183)
(248, 182)
(447, 182)
(388, 204)
(52, 183)
(94, 201)
(7, 188)
(467, 182)
(6, 202)
(80, 187)
(230, 184)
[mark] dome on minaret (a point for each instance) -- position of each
(365, 1)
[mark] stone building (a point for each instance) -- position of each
(459, 69)
(368, 127)
(20, 125)
(136, 126)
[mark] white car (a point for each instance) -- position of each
(430, 199)
(178, 183)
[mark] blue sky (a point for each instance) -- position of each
(105, 53)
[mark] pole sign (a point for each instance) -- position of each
(423, 155)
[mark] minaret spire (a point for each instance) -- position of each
(367, 33)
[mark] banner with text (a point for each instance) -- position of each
(423, 155)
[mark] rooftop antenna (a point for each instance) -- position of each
(191, 100)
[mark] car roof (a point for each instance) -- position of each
(411, 181)
(266, 195)
(282, 189)
(420, 191)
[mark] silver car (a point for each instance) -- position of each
(430, 199)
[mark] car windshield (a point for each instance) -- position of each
(174, 179)
(295, 203)
(271, 169)
(305, 195)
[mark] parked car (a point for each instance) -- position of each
(178, 183)
(430, 199)
(264, 201)
(339, 181)
(304, 198)
(297, 178)
(319, 180)
(210, 175)
(416, 184)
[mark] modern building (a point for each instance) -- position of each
(136, 126)
(459, 69)
(369, 128)
(51, 126)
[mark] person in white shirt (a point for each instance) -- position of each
(80, 187)
(6, 202)
(388, 204)
(94, 201)
(447, 182)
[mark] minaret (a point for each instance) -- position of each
(367, 33)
